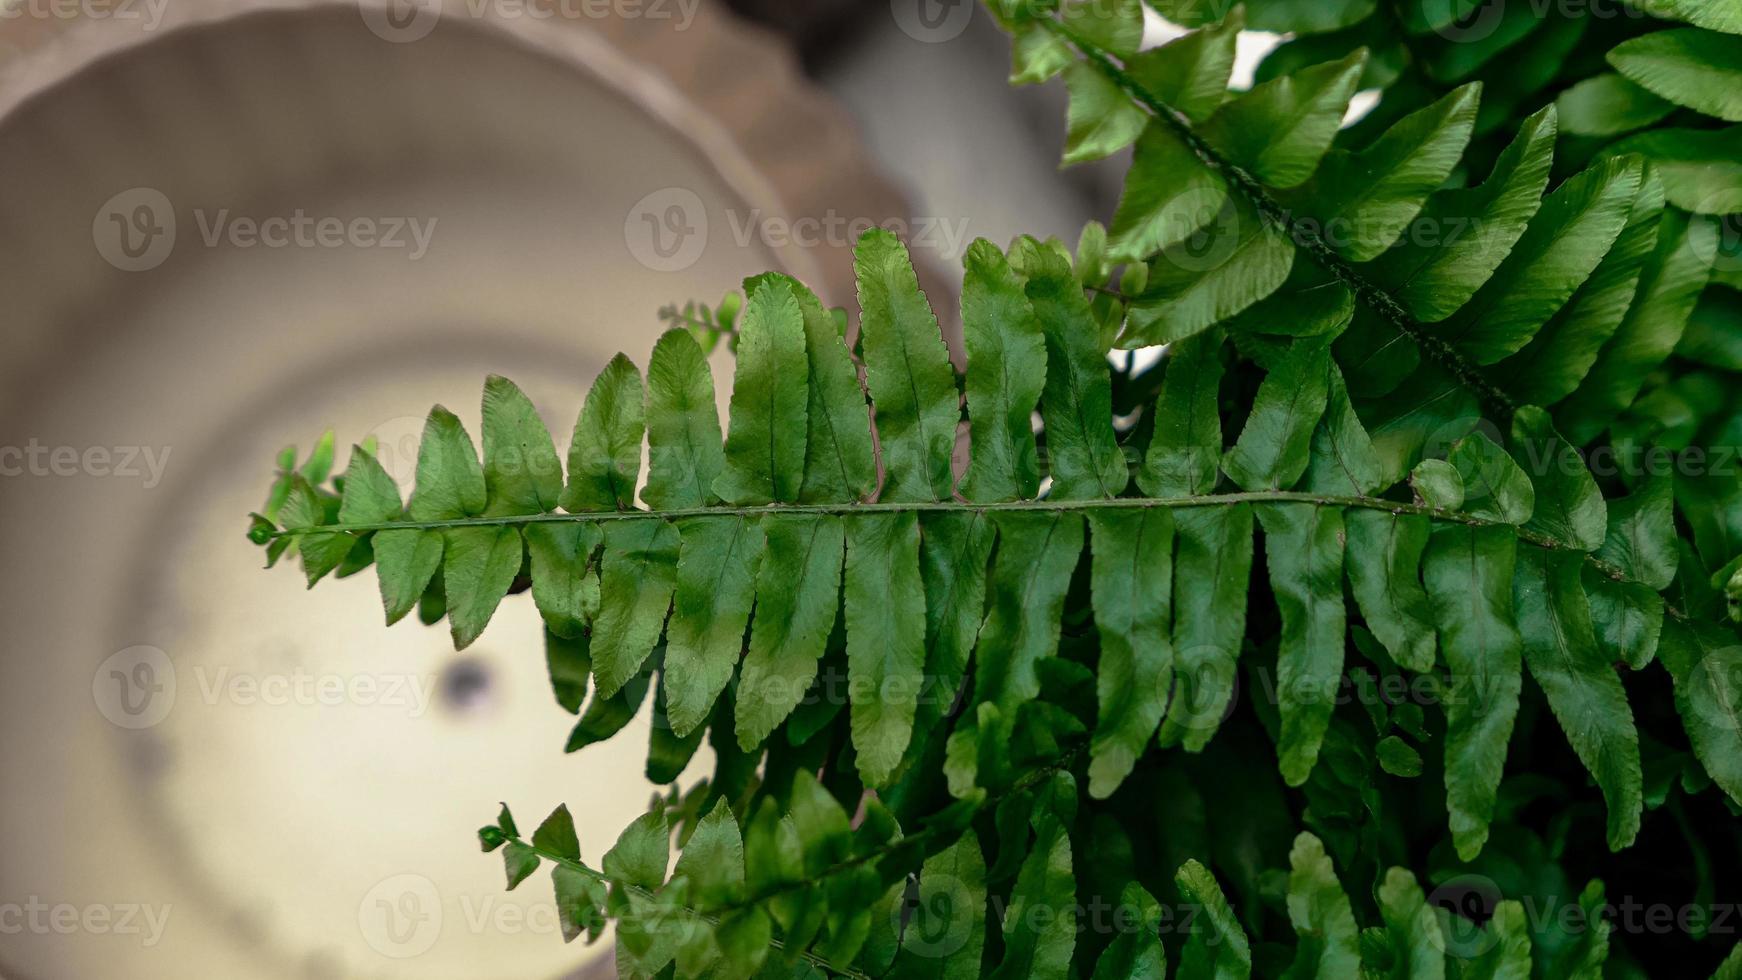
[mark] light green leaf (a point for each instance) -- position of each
(1566, 240)
(606, 716)
(1582, 687)
(1190, 73)
(1007, 367)
(1185, 449)
(1608, 105)
(1304, 552)
(1417, 948)
(1701, 70)
(955, 549)
(1280, 130)
(1319, 909)
(668, 753)
(1627, 618)
(1384, 559)
(636, 579)
(885, 610)
(1115, 26)
(798, 596)
(1473, 229)
(1101, 119)
(1706, 664)
(1396, 757)
(1569, 507)
(450, 483)
(765, 440)
(716, 586)
(1236, 259)
(1216, 947)
(570, 664)
(683, 426)
(947, 932)
(1037, 54)
(1495, 488)
(1438, 483)
(565, 585)
(908, 369)
(1275, 446)
(605, 450)
(478, 568)
(519, 861)
(557, 834)
(1083, 455)
(405, 561)
(839, 463)
(1701, 168)
(1212, 573)
(1030, 574)
(1499, 950)
(1342, 459)
(1361, 201)
(1132, 583)
(1040, 925)
(1307, 16)
(1717, 15)
(521, 471)
(1641, 534)
(1468, 575)
(580, 903)
(1670, 285)
(1134, 954)
(371, 496)
(1168, 196)
(1551, 366)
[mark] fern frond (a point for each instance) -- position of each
(1521, 527)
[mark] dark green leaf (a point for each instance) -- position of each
(1132, 572)
(1304, 552)
(605, 450)
(1468, 575)
(765, 440)
(908, 369)
(715, 588)
(683, 426)
(1384, 559)
(885, 612)
(1007, 367)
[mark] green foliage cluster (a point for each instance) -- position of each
(1409, 561)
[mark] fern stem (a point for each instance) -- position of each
(1369, 292)
(956, 506)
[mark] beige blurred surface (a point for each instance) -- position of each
(268, 773)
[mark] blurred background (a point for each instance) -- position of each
(228, 225)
